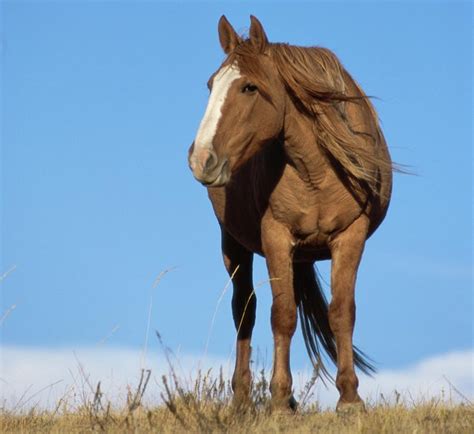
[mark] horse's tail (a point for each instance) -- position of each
(314, 318)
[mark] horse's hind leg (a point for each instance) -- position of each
(244, 303)
(346, 252)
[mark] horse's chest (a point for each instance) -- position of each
(312, 214)
(297, 207)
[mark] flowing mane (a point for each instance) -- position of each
(321, 89)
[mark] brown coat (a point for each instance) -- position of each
(298, 171)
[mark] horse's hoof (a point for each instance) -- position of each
(285, 407)
(347, 409)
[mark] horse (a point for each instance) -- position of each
(297, 170)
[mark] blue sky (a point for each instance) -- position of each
(100, 101)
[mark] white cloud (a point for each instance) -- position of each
(451, 375)
(41, 376)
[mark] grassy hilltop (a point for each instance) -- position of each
(205, 407)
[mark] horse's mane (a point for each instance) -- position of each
(321, 88)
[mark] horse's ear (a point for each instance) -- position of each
(257, 35)
(228, 37)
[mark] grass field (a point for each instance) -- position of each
(205, 406)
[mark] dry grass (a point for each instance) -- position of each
(205, 407)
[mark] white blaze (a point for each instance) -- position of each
(220, 87)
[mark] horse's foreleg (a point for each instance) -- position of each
(277, 247)
(244, 303)
(346, 252)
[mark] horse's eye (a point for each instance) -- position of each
(249, 88)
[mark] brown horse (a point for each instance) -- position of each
(297, 170)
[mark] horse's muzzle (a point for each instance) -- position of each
(207, 168)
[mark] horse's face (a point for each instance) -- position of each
(240, 117)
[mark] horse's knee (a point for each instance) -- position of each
(283, 318)
(244, 306)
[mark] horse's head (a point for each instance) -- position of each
(245, 109)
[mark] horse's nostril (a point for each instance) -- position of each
(211, 162)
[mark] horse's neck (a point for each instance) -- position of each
(302, 150)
